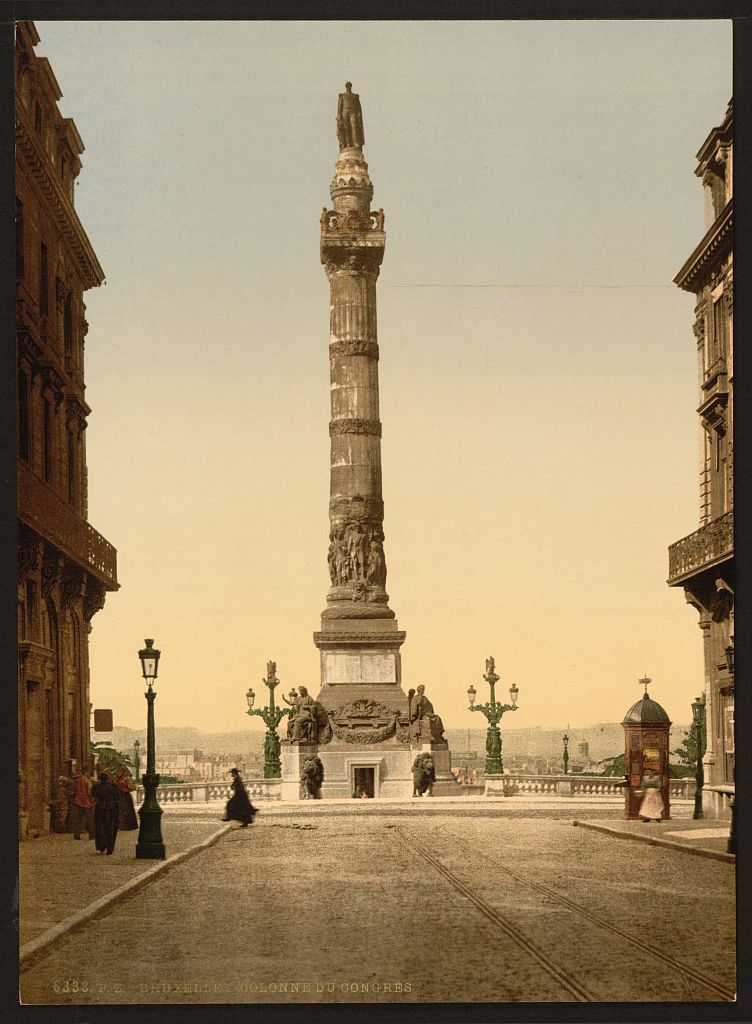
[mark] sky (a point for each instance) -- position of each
(537, 365)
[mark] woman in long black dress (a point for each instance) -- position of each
(106, 808)
(239, 807)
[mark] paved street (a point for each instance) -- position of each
(408, 908)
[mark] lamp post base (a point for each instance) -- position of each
(150, 845)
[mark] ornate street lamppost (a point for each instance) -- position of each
(493, 711)
(272, 716)
(698, 724)
(136, 758)
(565, 739)
(150, 844)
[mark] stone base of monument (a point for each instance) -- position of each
(380, 771)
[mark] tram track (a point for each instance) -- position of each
(564, 978)
(690, 975)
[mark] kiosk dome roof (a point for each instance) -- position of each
(646, 712)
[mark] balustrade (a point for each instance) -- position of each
(211, 792)
(524, 785)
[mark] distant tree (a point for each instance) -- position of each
(108, 759)
(686, 754)
(613, 766)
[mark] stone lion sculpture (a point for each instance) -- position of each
(312, 778)
(424, 775)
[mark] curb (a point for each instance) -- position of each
(695, 851)
(32, 950)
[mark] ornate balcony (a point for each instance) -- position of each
(706, 547)
(41, 508)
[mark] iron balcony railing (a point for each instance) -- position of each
(706, 547)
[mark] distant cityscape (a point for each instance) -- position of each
(190, 755)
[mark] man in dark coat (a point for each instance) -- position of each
(106, 813)
(239, 807)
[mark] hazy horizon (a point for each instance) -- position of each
(537, 365)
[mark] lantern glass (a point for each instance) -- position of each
(149, 657)
(697, 706)
(729, 652)
(513, 691)
(293, 695)
(471, 694)
(250, 697)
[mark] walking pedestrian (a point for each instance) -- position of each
(83, 803)
(61, 805)
(127, 820)
(239, 807)
(651, 808)
(106, 814)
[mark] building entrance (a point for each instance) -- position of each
(364, 782)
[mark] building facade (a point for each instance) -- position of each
(703, 563)
(65, 568)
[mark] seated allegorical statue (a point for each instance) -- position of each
(425, 725)
(308, 721)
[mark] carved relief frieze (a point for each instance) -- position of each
(366, 260)
(356, 547)
(355, 426)
(354, 348)
(365, 721)
(350, 222)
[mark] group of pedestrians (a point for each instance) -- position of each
(101, 809)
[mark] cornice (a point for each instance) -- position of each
(65, 216)
(715, 243)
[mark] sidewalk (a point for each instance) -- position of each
(704, 838)
(60, 877)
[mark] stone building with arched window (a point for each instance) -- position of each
(65, 568)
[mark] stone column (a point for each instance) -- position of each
(359, 641)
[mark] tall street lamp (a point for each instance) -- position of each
(150, 845)
(698, 724)
(136, 758)
(565, 740)
(272, 716)
(493, 711)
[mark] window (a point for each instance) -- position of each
(68, 324)
(19, 239)
(719, 328)
(23, 415)
(44, 298)
(47, 440)
(728, 723)
(71, 468)
(37, 118)
(30, 605)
